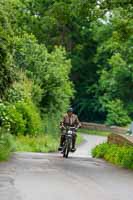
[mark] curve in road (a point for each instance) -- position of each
(32, 176)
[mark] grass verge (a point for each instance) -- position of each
(94, 132)
(79, 138)
(118, 155)
(7, 145)
(43, 143)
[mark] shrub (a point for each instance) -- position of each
(116, 114)
(11, 119)
(122, 156)
(7, 144)
(31, 116)
(21, 118)
(20, 90)
(100, 150)
(15, 119)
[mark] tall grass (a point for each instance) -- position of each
(42, 143)
(51, 125)
(7, 144)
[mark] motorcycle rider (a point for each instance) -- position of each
(70, 119)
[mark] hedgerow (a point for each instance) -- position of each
(119, 155)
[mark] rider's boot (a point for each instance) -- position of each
(61, 142)
(73, 144)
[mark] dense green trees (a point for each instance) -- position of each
(43, 43)
(46, 43)
(68, 23)
(34, 83)
(114, 58)
(6, 64)
(96, 35)
(49, 72)
(35, 89)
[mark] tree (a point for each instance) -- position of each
(6, 62)
(49, 71)
(114, 56)
(67, 23)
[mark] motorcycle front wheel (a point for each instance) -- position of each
(66, 150)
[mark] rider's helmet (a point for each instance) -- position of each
(70, 110)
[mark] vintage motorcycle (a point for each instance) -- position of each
(67, 146)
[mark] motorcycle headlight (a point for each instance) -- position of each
(70, 132)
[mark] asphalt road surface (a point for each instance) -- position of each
(32, 176)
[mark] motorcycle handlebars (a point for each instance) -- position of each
(69, 128)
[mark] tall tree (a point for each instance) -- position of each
(114, 56)
(6, 62)
(67, 23)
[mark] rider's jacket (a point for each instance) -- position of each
(70, 121)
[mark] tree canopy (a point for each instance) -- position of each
(54, 53)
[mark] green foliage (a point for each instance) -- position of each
(14, 119)
(51, 123)
(116, 114)
(6, 62)
(114, 57)
(94, 132)
(79, 139)
(21, 90)
(122, 156)
(62, 23)
(41, 88)
(19, 112)
(98, 39)
(49, 71)
(45, 43)
(20, 118)
(40, 143)
(96, 43)
(7, 144)
(100, 150)
(31, 117)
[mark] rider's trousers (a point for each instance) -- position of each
(62, 139)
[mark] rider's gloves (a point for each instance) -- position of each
(62, 127)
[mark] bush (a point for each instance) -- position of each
(7, 144)
(116, 114)
(20, 118)
(21, 90)
(10, 119)
(31, 116)
(121, 156)
(100, 150)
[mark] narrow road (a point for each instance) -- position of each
(32, 176)
(90, 141)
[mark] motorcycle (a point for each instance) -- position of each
(67, 146)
